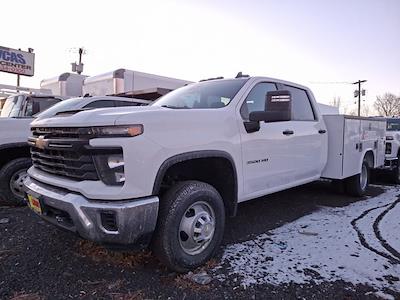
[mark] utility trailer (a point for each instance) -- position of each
(66, 84)
(349, 140)
(130, 83)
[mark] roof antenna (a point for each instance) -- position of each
(240, 75)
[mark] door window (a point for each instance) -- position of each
(127, 103)
(301, 106)
(256, 99)
(101, 104)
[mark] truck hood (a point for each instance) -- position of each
(162, 125)
(147, 115)
(95, 117)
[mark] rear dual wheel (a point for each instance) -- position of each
(357, 185)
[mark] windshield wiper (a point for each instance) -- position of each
(174, 107)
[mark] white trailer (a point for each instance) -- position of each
(66, 84)
(349, 138)
(132, 83)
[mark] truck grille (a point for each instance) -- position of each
(64, 163)
(64, 152)
(61, 132)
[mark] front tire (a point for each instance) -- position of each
(357, 185)
(190, 225)
(12, 176)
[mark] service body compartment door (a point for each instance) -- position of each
(373, 135)
(335, 128)
(343, 147)
(352, 147)
(349, 138)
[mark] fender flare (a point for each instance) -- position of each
(365, 153)
(195, 155)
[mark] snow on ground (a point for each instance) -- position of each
(327, 245)
(389, 227)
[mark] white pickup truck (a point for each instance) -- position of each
(15, 117)
(171, 172)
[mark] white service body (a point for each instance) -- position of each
(349, 138)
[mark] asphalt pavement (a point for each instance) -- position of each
(39, 261)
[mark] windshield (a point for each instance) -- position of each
(393, 125)
(36, 105)
(12, 107)
(65, 105)
(206, 94)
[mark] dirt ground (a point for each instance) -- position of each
(39, 261)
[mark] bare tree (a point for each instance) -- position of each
(336, 102)
(387, 105)
(365, 110)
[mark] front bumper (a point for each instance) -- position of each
(390, 163)
(125, 222)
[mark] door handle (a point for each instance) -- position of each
(321, 131)
(288, 132)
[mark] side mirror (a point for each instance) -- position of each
(278, 107)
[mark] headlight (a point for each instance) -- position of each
(117, 131)
(389, 138)
(110, 168)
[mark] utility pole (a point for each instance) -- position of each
(78, 68)
(80, 60)
(359, 94)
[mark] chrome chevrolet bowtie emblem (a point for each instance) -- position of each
(41, 143)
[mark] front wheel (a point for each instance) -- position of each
(190, 225)
(357, 185)
(12, 176)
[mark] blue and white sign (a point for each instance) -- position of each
(17, 61)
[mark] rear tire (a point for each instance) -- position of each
(190, 225)
(357, 185)
(11, 181)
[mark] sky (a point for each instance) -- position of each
(325, 45)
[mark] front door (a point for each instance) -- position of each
(266, 153)
(280, 154)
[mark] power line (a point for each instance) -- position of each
(330, 82)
